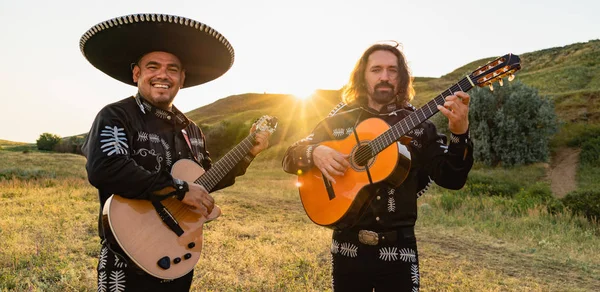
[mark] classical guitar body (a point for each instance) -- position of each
(339, 205)
(144, 237)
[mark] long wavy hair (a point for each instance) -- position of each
(356, 88)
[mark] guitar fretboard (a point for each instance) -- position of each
(408, 123)
(222, 167)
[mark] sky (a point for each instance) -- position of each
(280, 46)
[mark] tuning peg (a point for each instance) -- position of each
(501, 82)
(511, 77)
(491, 87)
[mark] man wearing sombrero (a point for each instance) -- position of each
(133, 143)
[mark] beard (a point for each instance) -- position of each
(383, 93)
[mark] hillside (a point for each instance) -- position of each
(569, 74)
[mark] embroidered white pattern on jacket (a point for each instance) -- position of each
(349, 130)
(348, 249)
(154, 138)
(391, 206)
(145, 152)
(335, 246)
(161, 114)
(142, 136)
(116, 141)
(421, 192)
(167, 151)
(338, 107)
(414, 271)
(309, 150)
(418, 132)
(197, 142)
(454, 139)
(102, 281)
(117, 281)
(339, 132)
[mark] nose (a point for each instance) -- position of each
(385, 75)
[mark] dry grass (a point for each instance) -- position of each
(264, 241)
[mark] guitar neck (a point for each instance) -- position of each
(222, 167)
(414, 119)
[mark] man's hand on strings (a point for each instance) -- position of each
(261, 141)
(330, 162)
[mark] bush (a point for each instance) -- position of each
(47, 141)
(590, 152)
(511, 125)
(482, 185)
(584, 202)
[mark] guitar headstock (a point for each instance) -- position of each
(266, 123)
(495, 70)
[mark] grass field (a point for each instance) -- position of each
(265, 242)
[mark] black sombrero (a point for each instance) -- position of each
(113, 45)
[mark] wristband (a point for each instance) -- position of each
(181, 187)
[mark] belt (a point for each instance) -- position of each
(369, 237)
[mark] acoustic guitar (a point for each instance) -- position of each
(376, 154)
(165, 238)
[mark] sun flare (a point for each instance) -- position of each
(304, 94)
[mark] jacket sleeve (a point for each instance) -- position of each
(447, 164)
(298, 157)
(109, 165)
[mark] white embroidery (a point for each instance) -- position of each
(440, 141)
(168, 158)
(421, 192)
(348, 249)
(145, 152)
(349, 130)
(119, 264)
(414, 270)
(116, 142)
(102, 260)
(388, 254)
(391, 191)
(408, 255)
(393, 254)
(197, 142)
(418, 132)
(161, 114)
(154, 138)
(391, 206)
(338, 132)
(338, 107)
(165, 144)
(335, 247)
(117, 281)
(142, 136)
(167, 152)
(102, 281)
(454, 139)
(309, 150)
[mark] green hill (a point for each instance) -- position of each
(570, 75)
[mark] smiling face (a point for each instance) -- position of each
(159, 75)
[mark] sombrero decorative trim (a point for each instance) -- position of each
(113, 45)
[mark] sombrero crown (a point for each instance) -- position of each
(113, 45)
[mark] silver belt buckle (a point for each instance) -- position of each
(368, 237)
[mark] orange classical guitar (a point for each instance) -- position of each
(165, 238)
(377, 152)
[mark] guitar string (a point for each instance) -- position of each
(381, 142)
(225, 164)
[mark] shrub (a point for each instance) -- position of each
(47, 141)
(482, 185)
(584, 202)
(511, 125)
(590, 152)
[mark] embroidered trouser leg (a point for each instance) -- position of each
(360, 267)
(117, 273)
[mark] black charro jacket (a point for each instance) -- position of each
(132, 146)
(432, 160)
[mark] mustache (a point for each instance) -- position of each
(384, 84)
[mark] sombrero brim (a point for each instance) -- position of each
(113, 45)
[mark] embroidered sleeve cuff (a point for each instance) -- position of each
(460, 139)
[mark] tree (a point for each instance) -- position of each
(511, 125)
(47, 141)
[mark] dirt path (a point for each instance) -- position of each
(563, 169)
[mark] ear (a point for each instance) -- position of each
(136, 73)
(182, 78)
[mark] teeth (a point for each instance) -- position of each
(161, 86)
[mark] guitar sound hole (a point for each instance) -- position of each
(360, 157)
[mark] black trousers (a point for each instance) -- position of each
(389, 266)
(117, 273)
